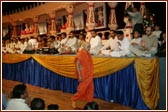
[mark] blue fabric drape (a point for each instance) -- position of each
(121, 87)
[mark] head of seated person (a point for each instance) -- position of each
(91, 106)
(20, 91)
(37, 104)
(53, 107)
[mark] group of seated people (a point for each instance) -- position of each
(147, 45)
(20, 100)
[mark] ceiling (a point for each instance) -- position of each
(9, 6)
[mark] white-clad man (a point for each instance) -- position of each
(95, 42)
(148, 46)
(123, 44)
(111, 44)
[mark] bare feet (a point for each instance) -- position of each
(74, 104)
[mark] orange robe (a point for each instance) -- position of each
(85, 90)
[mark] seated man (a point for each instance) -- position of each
(162, 49)
(135, 42)
(95, 42)
(123, 44)
(19, 98)
(110, 46)
(149, 44)
(71, 44)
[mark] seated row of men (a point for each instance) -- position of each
(116, 46)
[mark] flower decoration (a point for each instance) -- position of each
(148, 19)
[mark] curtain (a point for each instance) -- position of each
(121, 86)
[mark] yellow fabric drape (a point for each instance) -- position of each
(147, 71)
(14, 58)
(106, 66)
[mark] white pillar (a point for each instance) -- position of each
(142, 8)
(53, 23)
(112, 19)
(70, 20)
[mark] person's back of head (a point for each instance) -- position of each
(53, 107)
(91, 106)
(37, 104)
(18, 91)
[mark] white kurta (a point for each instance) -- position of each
(73, 43)
(96, 44)
(123, 48)
(112, 44)
(17, 104)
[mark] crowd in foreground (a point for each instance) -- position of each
(20, 100)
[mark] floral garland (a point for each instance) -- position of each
(148, 19)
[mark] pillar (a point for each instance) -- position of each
(35, 29)
(70, 20)
(112, 19)
(53, 23)
(14, 31)
(90, 22)
(142, 8)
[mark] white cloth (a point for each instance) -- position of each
(33, 42)
(17, 104)
(136, 17)
(64, 41)
(96, 44)
(137, 41)
(73, 43)
(123, 48)
(112, 44)
(157, 33)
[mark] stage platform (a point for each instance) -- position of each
(129, 81)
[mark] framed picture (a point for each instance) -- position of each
(42, 26)
(79, 20)
(100, 15)
(59, 24)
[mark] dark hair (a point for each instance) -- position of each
(37, 104)
(53, 107)
(63, 33)
(93, 31)
(113, 31)
(18, 90)
(120, 32)
(91, 106)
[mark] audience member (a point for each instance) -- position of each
(149, 44)
(4, 101)
(37, 104)
(91, 106)
(111, 44)
(123, 44)
(53, 107)
(137, 20)
(95, 42)
(18, 100)
(135, 42)
(162, 48)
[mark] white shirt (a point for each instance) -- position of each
(136, 40)
(124, 48)
(157, 33)
(112, 43)
(17, 104)
(136, 17)
(63, 41)
(96, 44)
(73, 43)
